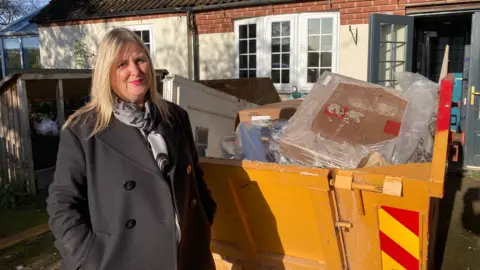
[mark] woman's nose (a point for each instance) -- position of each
(134, 68)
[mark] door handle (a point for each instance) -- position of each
(473, 94)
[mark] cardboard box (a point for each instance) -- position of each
(341, 121)
(360, 115)
(275, 111)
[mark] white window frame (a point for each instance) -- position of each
(149, 28)
(258, 47)
(298, 46)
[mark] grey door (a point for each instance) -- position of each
(472, 128)
(390, 47)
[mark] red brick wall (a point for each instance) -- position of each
(221, 21)
(351, 12)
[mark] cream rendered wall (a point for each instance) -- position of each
(217, 56)
(169, 38)
(353, 58)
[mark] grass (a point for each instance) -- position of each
(27, 215)
(35, 253)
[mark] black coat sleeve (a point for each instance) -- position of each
(205, 194)
(67, 204)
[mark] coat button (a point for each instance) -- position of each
(193, 203)
(189, 169)
(129, 185)
(130, 223)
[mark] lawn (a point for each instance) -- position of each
(24, 216)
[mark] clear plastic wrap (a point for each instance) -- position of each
(415, 142)
(343, 120)
(258, 141)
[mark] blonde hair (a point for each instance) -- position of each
(102, 99)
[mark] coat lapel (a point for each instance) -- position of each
(129, 143)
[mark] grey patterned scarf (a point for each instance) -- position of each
(132, 115)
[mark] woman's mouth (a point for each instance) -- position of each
(136, 82)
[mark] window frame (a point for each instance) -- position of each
(298, 46)
(237, 24)
(149, 28)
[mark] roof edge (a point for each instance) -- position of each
(167, 10)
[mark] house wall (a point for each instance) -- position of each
(217, 40)
(57, 42)
(216, 35)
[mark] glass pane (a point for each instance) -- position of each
(275, 45)
(252, 46)
(400, 32)
(285, 60)
(327, 43)
(385, 32)
(314, 27)
(399, 51)
(148, 47)
(275, 29)
(243, 61)
(11, 48)
(138, 33)
(252, 30)
(313, 59)
(146, 36)
(312, 75)
(31, 52)
(252, 63)
(243, 46)
(326, 59)
(252, 73)
(276, 76)
(285, 28)
(285, 44)
(384, 71)
(243, 74)
(275, 60)
(285, 76)
(324, 69)
(314, 43)
(327, 26)
(243, 31)
(385, 51)
(398, 67)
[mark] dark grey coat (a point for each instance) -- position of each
(111, 208)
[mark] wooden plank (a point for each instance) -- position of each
(60, 104)
(8, 99)
(22, 236)
(444, 70)
(4, 135)
(25, 120)
(56, 76)
(16, 134)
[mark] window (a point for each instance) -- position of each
(201, 140)
(31, 52)
(12, 55)
(293, 50)
(247, 50)
(145, 34)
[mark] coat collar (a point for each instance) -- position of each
(129, 143)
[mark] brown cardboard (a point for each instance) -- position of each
(341, 121)
(360, 115)
(275, 111)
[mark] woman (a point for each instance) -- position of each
(128, 191)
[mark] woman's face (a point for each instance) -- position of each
(131, 74)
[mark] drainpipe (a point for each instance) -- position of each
(192, 27)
